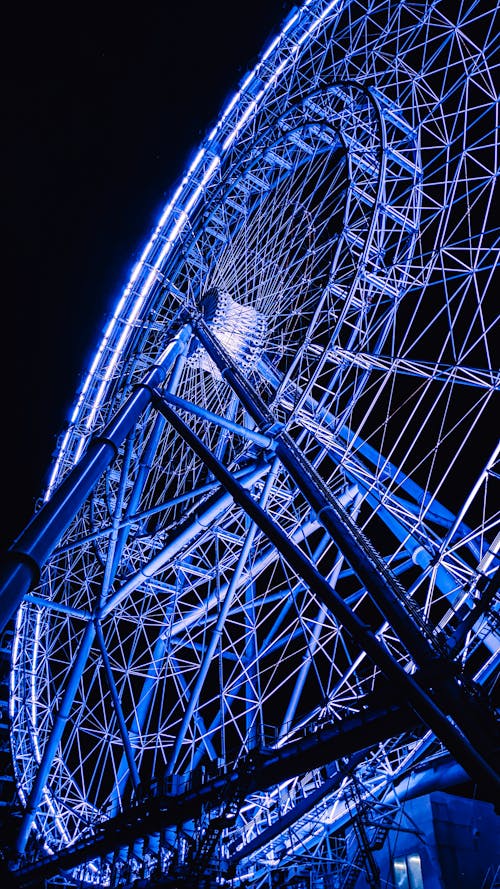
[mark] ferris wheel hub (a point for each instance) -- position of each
(240, 330)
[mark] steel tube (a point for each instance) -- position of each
(33, 547)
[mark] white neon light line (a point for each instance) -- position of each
(171, 204)
(229, 108)
(148, 283)
(230, 139)
(57, 464)
(211, 169)
(57, 817)
(33, 732)
(232, 136)
(112, 324)
(36, 643)
(79, 450)
(253, 104)
(179, 225)
(198, 190)
(213, 133)
(317, 21)
(121, 342)
(272, 46)
(463, 511)
(196, 161)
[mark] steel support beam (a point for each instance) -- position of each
(366, 563)
(419, 697)
(28, 554)
(438, 671)
(213, 508)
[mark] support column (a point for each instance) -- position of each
(437, 670)
(28, 554)
(418, 697)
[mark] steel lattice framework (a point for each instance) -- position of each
(269, 547)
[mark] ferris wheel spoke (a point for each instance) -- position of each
(305, 528)
(315, 641)
(274, 642)
(458, 742)
(373, 482)
(139, 483)
(113, 549)
(416, 635)
(144, 465)
(56, 733)
(312, 646)
(361, 554)
(202, 744)
(459, 373)
(263, 561)
(196, 494)
(227, 598)
(216, 509)
(212, 645)
(141, 708)
(134, 774)
(223, 595)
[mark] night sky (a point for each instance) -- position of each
(102, 111)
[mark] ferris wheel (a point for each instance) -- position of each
(291, 540)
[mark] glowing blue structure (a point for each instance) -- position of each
(258, 605)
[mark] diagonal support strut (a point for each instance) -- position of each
(419, 698)
(437, 670)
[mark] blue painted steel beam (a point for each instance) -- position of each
(359, 552)
(438, 671)
(206, 734)
(28, 554)
(388, 471)
(313, 644)
(144, 467)
(217, 632)
(263, 441)
(184, 535)
(420, 699)
(422, 554)
(113, 553)
(136, 517)
(36, 543)
(211, 511)
(437, 512)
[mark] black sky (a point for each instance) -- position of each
(102, 111)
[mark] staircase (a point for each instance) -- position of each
(369, 836)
